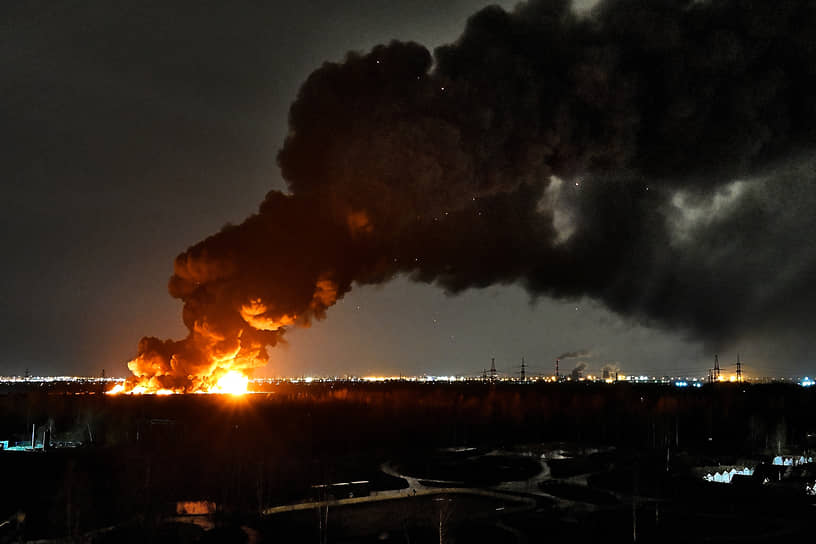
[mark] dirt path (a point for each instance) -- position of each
(524, 502)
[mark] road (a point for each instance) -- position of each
(377, 496)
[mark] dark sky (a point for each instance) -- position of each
(133, 132)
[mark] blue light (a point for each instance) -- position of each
(806, 382)
(681, 384)
(698, 384)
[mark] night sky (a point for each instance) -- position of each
(133, 132)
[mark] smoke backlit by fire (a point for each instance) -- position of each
(227, 341)
(453, 168)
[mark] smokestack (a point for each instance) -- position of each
(610, 369)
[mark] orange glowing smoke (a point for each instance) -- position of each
(255, 313)
(245, 286)
(359, 222)
(218, 356)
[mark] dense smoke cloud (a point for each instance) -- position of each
(610, 369)
(653, 155)
(578, 371)
(574, 354)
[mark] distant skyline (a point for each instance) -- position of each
(137, 131)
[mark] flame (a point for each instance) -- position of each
(223, 348)
(232, 383)
(116, 389)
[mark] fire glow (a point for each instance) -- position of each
(226, 343)
(236, 305)
(231, 383)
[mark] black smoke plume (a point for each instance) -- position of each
(656, 156)
(578, 372)
(574, 354)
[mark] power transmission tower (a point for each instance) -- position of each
(739, 369)
(523, 368)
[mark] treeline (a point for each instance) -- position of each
(248, 452)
